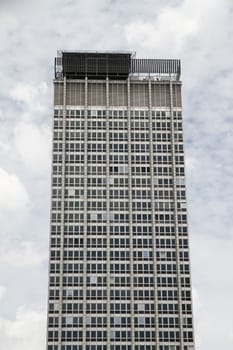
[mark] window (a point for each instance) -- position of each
(93, 279)
(112, 333)
(146, 254)
(162, 255)
(117, 320)
(141, 307)
(69, 320)
(141, 320)
(93, 216)
(56, 306)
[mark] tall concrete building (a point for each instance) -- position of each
(119, 274)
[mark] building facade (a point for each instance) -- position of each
(119, 275)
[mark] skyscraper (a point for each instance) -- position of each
(119, 274)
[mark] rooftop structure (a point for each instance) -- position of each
(99, 65)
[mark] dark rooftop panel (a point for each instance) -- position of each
(77, 65)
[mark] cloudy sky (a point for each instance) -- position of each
(199, 32)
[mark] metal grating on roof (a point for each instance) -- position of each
(155, 66)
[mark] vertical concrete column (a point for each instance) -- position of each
(153, 215)
(130, 215)
(62, 214)
(175, 216)
(108, 216)
(85, 211)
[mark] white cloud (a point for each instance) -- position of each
(2, 291)
(4, 147)
(32, 143)
(14, 201)
(25, 332)
(32, 96)
(211, 263)
(172, 28)
(24, 254)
